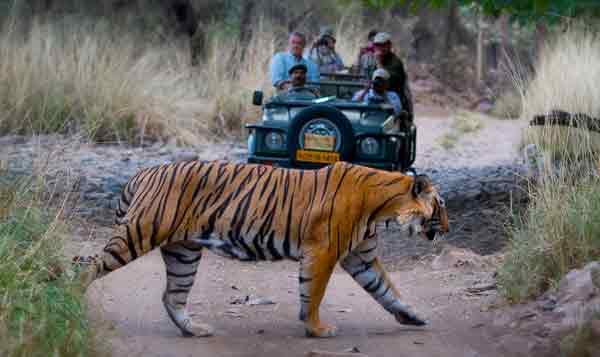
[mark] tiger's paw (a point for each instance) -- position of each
(321, 330)
(408, 318)
(181, 319)
(85, 269)
(194, 329)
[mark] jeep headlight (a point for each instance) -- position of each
(274, 141)
(369, 146)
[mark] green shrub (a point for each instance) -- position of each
(42, 310)
(560, 231)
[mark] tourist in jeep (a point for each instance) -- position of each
(297, 88)
(282, 62)
(377, 92)
(323, 52)
(386, 59)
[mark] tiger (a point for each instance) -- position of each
(252, 212)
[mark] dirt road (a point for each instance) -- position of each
(131, 302)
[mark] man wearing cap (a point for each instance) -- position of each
(283, 61)
(386, 59)
(297, 88)
(323, 52)
(378, 93)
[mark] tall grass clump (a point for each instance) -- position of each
(42, 311)
(567, 77)
(230, 74)
(560, 229)
(71, 74)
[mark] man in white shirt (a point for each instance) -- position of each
(378, 92)
(283, 61)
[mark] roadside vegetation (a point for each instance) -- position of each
(42, 309)
(77, 76)
(463, 122)
(560, 230)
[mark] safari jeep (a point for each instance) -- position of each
(299, 132)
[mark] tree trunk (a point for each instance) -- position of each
(296, 21)
(246, 25)
(503, 24)
(540, 37)
(480, 52)
(451, 25)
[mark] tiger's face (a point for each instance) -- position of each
(429, 217)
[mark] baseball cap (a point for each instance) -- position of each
(301, 66)
(382, 37)
(381, 73)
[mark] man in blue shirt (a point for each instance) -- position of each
(378, 92)
(283, 61)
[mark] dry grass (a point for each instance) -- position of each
(560, 230)
(230, 75)
(508, 105)
(567, 77)
(78, 76)
(448, 140)
(463, 122)
(467, 122)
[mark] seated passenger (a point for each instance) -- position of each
(378, 93)
(297, 88)
(323, 52)
(366, 62)
(283, 61)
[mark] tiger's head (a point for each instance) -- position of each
(427, 215)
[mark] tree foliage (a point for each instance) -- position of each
(549, 11)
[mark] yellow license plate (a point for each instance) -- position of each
(317, 156)
(319, 142)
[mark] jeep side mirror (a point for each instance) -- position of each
(257, 97)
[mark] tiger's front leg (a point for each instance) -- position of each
(364, 266)
(315, 271)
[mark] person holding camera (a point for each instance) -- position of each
(377, 92)
(323, 52)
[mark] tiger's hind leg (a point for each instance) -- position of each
(364, 266)
(181, 261)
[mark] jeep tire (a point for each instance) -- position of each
(335, 116)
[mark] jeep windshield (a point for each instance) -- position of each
(285, 110)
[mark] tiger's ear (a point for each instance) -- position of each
(422, 184)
